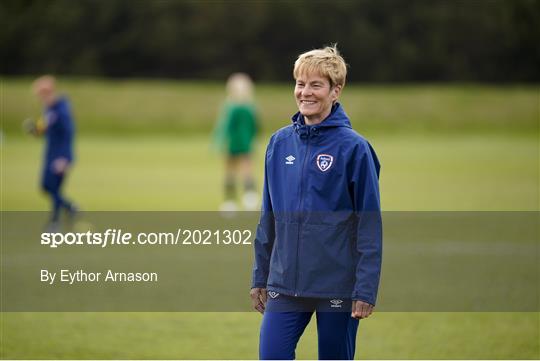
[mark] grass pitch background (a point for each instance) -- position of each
(145, 146)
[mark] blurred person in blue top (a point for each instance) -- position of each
(58, 127)
(235, 134)
(318, 246)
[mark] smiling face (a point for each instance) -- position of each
(314, 97)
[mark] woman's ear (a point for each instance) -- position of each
(336, 92)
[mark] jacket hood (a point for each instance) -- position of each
(336, 118)
(60, 102)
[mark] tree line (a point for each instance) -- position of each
(382, 41)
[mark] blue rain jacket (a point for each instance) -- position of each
(60, 131)
(320, 231)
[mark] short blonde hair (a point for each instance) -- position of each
(326, 62)
(240, 87)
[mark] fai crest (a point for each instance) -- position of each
(324, 162)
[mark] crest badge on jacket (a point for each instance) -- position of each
(324, 162)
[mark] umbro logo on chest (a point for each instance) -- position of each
(290, 159)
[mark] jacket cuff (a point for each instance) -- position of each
(255, 284)
(363, 298)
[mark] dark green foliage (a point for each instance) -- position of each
(387, 40)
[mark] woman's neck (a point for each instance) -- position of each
(318, 118)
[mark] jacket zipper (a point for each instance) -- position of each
(300, 213)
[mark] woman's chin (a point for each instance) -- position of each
(306, 112)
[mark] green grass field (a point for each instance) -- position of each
(171, 107)
(491, 166)
(419, 172)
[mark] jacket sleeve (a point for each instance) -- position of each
(60, 123)
(68, 130)
(265, 234)
(365, 186)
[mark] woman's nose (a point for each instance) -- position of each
(306, 91)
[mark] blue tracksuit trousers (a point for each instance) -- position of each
(52, 184)
(286, 318)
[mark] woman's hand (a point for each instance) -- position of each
(60, 165)
(361, 309)
(258, 298)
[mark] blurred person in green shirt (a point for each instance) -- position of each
(235, 133)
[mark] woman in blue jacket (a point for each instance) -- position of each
(58, 127)
(318, 245)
